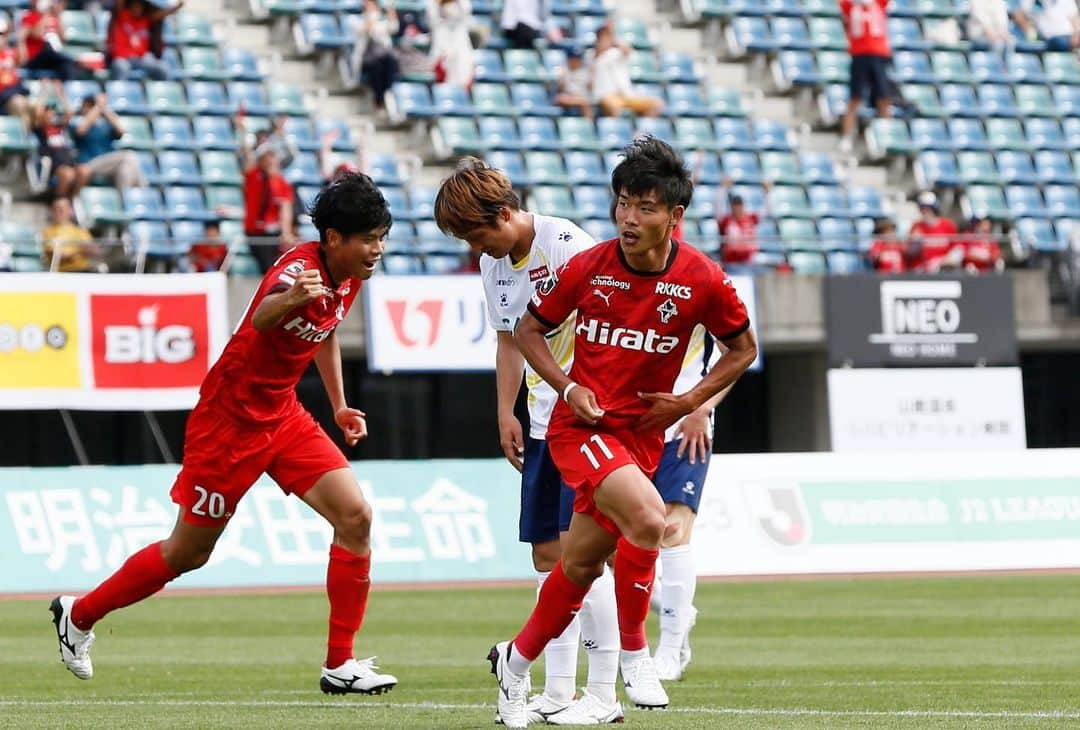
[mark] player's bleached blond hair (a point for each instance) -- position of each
(472, 197)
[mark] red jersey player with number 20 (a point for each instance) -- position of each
(638, 299)
(249, 421)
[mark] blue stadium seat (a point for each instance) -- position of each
(489, 66)
(685, 100)
(1062, 201)
(836, 233)
(791, 33)
(546, 168)
(186, 232)
(703, 204)
(930, 134)
(658, 127)
(1025, 201)
(539, 133)
(817, 167)
(959, 101)
(935, 169)
(692, 133)
(552, 200)
(1045, 134)
(770, 134)
(1035, 101)
(208, 97)
(865, 202)
(252, 98)
(799, 234)
(397, 202)
(789, 201)
(968, 134)
(834, 67)
(144, 204)
(220, 168)
(173, 133)
(166, 97)
(614, 132)
(412, 100)
(214, 133)
(592, 201)
(725, 102)
(1070, 126)
(1037, 234)
(586, 168)
(950, 67)
(79, 89)
(753, 196)
(1068, 231)
(997, 100)
(300, 132)
(645, 68)
(127, 97)
(179, 168)
(532, 100)
(452, 101)
(925, 98)
(384, 170)
(1016, 168)
(734, 134)
(977, 168)
(149, 167)
(913, 67)
(1061, 68)
(322, 32)
(511, 164)
(186, 203)
(304, 170)
(152, 238)
(742, 167)
(988, 67)
(781, 168)
(500, 133)
(678, 68)
(828, 33)
(601, 229)
(525, 65)
(987, 201)
(749, 35)
(1054, 167)
(492, 99)
(906, 34)
(577, 133)
(705, 167)
(344, 140)
(829, 201)
(793, 8)
(888, 137)
(1025, 68)
(307, 194)
(796, 68)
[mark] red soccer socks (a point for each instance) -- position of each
(347, 583)
(141, 576)
(558, 603)
(635, 568)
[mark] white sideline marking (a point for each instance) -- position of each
(732, 711)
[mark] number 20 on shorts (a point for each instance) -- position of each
(210, 504)
(600, 445)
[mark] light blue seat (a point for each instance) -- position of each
(1016, 168)
(178, 167)
(500, 133)
(144, 204)
(936, 169)
(592, 201)
(1025, 201)
(186, 203)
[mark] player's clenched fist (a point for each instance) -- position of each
(582, 402)
(307, 288)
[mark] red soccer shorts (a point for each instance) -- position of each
(223, 458)
(586, 456)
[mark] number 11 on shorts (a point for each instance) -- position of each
(595, 438)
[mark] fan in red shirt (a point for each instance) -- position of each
(982, 253)
(129, 39)
(248, 421)
(866, 25)
(14, 97)
(888, 254)
(931, 238)
(637, 299)
(268, 207)
(40, 36)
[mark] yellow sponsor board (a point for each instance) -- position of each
(39, 340)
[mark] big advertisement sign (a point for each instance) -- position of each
(437, 323)
(926, 409)
(109, 342)
(918, 321)
(69, 528)
(850, 513)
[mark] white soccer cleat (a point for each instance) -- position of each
(513, 688)
(668, 662)
(357, 677)
(588, 710)
(541, 707)
(685, 654)
(642, 684)
(74, 642)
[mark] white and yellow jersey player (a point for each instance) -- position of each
(519, 253)
(680, 479)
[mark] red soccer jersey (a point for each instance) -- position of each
(9, 68)
(739, 238)
(52, 25)
(632, 328)
(255, 378)
(936, 239)
(130, 37)
(262, 201)
(981, 252)
(889, 255)
(867, 27)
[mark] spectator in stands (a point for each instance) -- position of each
(14, 97)
(129, 42)
(1055, 21)
(865, 22)
(209, 253)
(451, 47)
(523, 22)
(574, 85)
(70, 244)
(930, 239)
(611, 85)
(738, 228)
(41, 36)
(988, 22)
(95, 132)
(268, 207)
(980, 247)
(50, 125)
(889, 253)
(379, 67)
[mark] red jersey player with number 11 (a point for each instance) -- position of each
(638, 299)
(248, 421)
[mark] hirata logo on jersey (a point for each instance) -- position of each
(602, 333)
(307, 331)
(668, 289)
(155, 341)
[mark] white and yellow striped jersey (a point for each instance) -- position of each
(508, 288)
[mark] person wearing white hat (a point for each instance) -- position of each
(931, 239)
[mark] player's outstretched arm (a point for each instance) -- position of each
(273, 307)
(667, 408)
(529, 336)
(509, 366)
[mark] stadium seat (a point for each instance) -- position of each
(988, 67)
(1061, 68)
(743, 167)
(136, 134)
(13, 136)
(817, 167)
(959, 101)
(585, 168)
(968, 134)
(614, 132)
(185, 203)
(166, 97)
(240, 64)
(678, 68)
(250, 97)
(79, 30)
(632, 31)
(997, 100)
(458, 136)
(705, 167)
(695, 134)
(753, 196)
(658, 127)
(1070, 127)
(500, 133)
(794, 69)
(977, 168)
(865, 202)
(833, 67)
(410, 100)
(1037, 234)
(936, 169)
(525, 66)
(1044, 134)
(300, 132)
(304, 170)
(930, 134)
(102, 206)
(1016, 168)
(725, 102)
(539, 133)
(578, 133)
(1006, 134)
(601, 229)
(422, 202)
(225, 200)
(208, 97)
(828, 200)
(798, 234)
(489, 66)
(703, 204)
(220, 168)
(532, 100)
(905, 34)
(827, 34)
(173, 133)
(1054, 167)
(789, 201)
(385, 170)
(770, 134)
(22, 238)
(748, 35)
(790, 33)
(552, 200)
(319, 32)
(397, 202)
(126, 97)
(192, 29)
(287, 99)
(511, 164)
(591, 201)
(1035, 101)
(1025, 68)
(144, 204)
(79, 89)
(925, 98)
(204, 64)
(685, 100)
(734, 134)
(644, 68)
(214, 133)
(836, 234)
(492, 100)
(178, 168)
(950, 67)
(1062, 201)
(1025, 201)
(913, 67)
(781, 168)
(151, 238)
(987, 201)
(888, 137)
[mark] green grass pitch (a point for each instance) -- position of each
(999, 652)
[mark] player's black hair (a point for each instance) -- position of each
(351, 204)
(650, 165)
